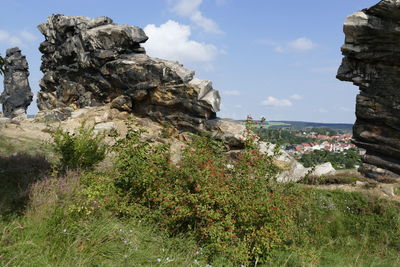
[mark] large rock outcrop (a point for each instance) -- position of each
(17, 94)
(92, 62)
(372, 62)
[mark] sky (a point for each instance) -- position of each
(268, 58)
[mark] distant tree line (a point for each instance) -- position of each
(282, 137)
(340, 160)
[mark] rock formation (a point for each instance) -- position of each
(17, 94)
(372, 62)
(92, 62)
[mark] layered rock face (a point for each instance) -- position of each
(92, 62)
(372, 62)
(17, 94)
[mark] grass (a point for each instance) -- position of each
(38, 226)
(17, 173)
(340, 177)
(26, 145)
(49, 235)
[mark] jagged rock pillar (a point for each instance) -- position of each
(17, 95)
(93, 61)
(372, 62)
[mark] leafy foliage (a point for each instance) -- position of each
(340, 160)
(231, 208)
(81, 150)
(282, 137)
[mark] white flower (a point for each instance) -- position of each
(158, 260)
(230, 166)
(65, 230)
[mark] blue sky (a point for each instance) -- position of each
(272, 58)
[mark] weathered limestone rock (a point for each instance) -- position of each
(17, 94)
(292, 170)
(92, 62)
(231, 132)
(372, 62)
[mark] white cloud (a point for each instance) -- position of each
(276, 102)
(279, 49)
(301, 44)
(323, 110)
(28, 36)
(16, 39)
(221, 2)
(191, 10)
(186, 8)
(231, 93)
(344, 109)
(9, 39)
(238, 106)
(171, 41)
(296, 97)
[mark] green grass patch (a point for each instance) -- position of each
(208, 210)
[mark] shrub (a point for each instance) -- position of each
(231, 208)
(82, 150)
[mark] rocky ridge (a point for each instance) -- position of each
(92, 62)
(17, 95)
(372, 62)
(96, 71)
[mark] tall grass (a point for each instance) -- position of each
(92, 218)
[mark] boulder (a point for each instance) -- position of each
(292, 170)
(231, 132)
(17, 95)
(372, 62)
(323, 169)
(93, 62)
(104, 127)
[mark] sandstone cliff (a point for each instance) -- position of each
(372, 62)
(92, 62)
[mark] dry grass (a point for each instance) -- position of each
(341, 177)
(47, 194)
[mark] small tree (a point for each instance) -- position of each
(81, 150)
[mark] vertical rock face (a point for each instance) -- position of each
(92, 61)
(372, 62)
(17, 94)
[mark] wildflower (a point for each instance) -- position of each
(230, 166)
(65, 230)
(158, 260)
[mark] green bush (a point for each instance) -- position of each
(81, 150)
(232, 208)
(340, 160)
